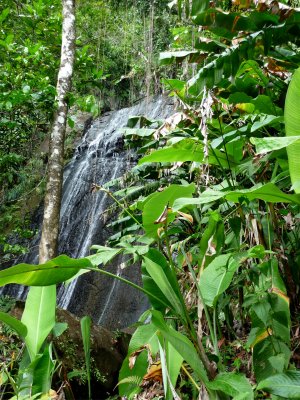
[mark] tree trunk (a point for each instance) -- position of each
(39, 312)
(50, 229)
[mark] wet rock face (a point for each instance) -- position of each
(99, 158)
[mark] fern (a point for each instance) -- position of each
(132, 380)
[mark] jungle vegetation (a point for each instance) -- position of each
(211, 210)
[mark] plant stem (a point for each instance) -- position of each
(99, 187)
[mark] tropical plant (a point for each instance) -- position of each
(208, 212)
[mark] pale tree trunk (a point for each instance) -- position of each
(50, 229)
(39, 312)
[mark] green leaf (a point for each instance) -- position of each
(156, 203)
(151, 286)
(128, 382)
(217, 277)
(39, 317)
(104, 254)
(59, 328)
(263, 351)
(199, 6)
(286, 385)
(4, 14)
(232, 384)
(182, 344)
(144, 334)
(264, 145)
(174, 362)
(161, 280)
(42, 369)
(268, 192)
(188, 150)
(185, 150)
(292, 127)
(85, 324)
(54, 271)
(265, 120)
(14, 323)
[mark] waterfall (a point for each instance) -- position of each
(99, 158)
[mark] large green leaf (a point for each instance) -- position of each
(264, 145)
(42, 369)
(157, 202)
(171, 362)
(14, 323)
(263, 353)
(39, 317)
(233, 385)
(268, 192)
(145, 335)
(161, 280)
(216, 278)
(286, 385)
(292, 128)
(54, 271)
(182, 344)
(185, 150)
(151, 286)
(188, 150)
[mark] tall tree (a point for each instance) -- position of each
(39, 313)
(50, 230)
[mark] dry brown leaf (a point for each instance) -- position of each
(154, 373)
(185, 216)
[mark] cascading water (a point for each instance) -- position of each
(99, 158)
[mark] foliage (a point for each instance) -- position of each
(219, 239)
(227, 244)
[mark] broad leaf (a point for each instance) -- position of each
(157, 202)
(135, 364)
(185, 150)
(233, 385)
(161, 280)
(268, 192)
(39, 317)
(168, 57)
(189, 150)
(171, 362)
(264, 145)
(152, 287)
(292, 128)
(217, 277)
(265, 120)
(54, 271)
(42, 369)
(286, 385)
(263, 353)
(182, 344)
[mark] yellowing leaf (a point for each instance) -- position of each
(281, 294)
(154, 373)
(262, 336)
